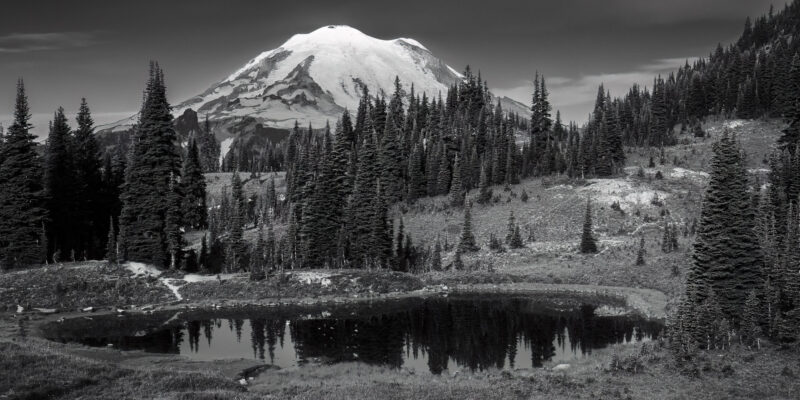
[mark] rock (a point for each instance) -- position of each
(561, 367)
(251, 372)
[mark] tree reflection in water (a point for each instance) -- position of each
(432, 334)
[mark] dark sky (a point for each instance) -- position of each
(100, 49)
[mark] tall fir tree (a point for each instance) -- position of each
(727, 258)
(588, 242)
(236, 247)
(193, 187)
(94, 207)
(59, 185)
(22, 205)
(153, 167)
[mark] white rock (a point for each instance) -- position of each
(561, 367)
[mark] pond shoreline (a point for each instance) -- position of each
(647, 303)
(44, 327)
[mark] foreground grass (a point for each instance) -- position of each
(34, 369)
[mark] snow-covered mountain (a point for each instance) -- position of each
(312, 78)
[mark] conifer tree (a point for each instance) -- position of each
(322, 212)
(235, 241)
(443, 180)
(467, 241)
(416, 175)
(22, 207)
(510, 227)
(640, 254)
(202, 258)
(193, 187)
(291, 241)
(153, 168)
(360, 205)
(432, 170)
(727, 257)
(588, 242)
(391, 163)
(401, 252)
(257, 261)
(436, 261)
(271, 253)
(381, 234)
(667, 240)
(59, 185)
(516, 239)
(791, 134)
(456, 186)
(111, 243)
(458, 263)
(750, 326)
(484, 188)
(209, 148)
(95, 205)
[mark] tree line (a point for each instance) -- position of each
(74, 202)
(747, 79)
(135, 200)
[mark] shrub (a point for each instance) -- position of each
(631, 363)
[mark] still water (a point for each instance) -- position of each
(434, 334)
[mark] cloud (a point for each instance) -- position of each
(575, 96)
(27, 42)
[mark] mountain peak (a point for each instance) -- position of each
(313, 77)
(331, 38)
